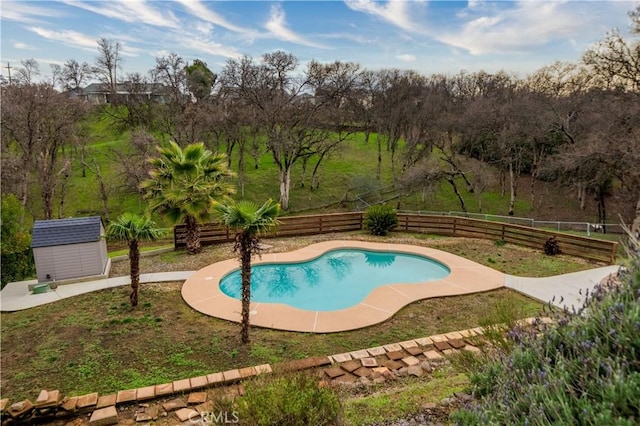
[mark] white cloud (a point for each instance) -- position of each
(515, 29)
(277, 26)
(128, 11)
(206, 46)
(25, 46)
(69, 37)
(50, 61)
(406, 58)
(201, 11)
(25, 12)
(126, 50)
(203, 27)
(394, 11)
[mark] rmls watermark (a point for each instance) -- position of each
(214, 418)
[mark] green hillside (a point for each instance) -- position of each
(347, 175)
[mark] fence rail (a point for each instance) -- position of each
(558, 225)
(454, 226)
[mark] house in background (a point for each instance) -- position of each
(69, 249)
(99, 93)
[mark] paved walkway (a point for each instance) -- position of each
(566, 288)
(562, 290)
(16, 296)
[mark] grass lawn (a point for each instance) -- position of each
(97, 343)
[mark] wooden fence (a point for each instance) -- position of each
(588, 248)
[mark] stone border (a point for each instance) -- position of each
(372, 364)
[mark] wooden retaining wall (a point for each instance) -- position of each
(588, 248)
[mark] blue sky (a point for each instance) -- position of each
(426, 36)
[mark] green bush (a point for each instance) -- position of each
(380, 219)
(580, 369)
(292, 399)
(551, 247)
(15, 242)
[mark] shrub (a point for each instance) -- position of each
(582, 368)
(551, 247)
(380, 219)
(500, 243)
(15, 242)
(293, 399)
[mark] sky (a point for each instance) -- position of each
(423, 35)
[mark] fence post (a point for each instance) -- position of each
(320, 223)
(175, 237)
(454, 225)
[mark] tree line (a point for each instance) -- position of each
(571, 122)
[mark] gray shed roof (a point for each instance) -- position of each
(47, 233)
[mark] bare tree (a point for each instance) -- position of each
(103, 185)
(133, 162)
(107, 64)
(73, 75)
(282, 106)
(170, 72)
(37, 123)
(616, 61)
(27, 72)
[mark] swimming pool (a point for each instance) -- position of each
(202, 291)
(335, 280)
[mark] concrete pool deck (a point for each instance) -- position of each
(560, 290)
(202, 292)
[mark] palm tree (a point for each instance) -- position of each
(132, 228)
(248, 220)
(184, 184)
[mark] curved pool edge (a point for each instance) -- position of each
(201, 292)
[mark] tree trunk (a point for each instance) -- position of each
(47, 201)
(582, 195)
(193, 235)
(512, 187)
(245, 265)
(455, 189)
(305, 159)
(241, 154)
(315, 180)
(134, 262)
(379, 170)
(230, 145)
(285, 186)
(63, 194)
(602, 213)
(532, 191)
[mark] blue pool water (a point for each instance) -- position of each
(336, 280)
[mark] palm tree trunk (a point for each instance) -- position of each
(134, 261)
(193, 235)
(245, 262)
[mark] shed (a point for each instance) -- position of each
(69, 248)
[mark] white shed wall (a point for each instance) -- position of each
(70, 261)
